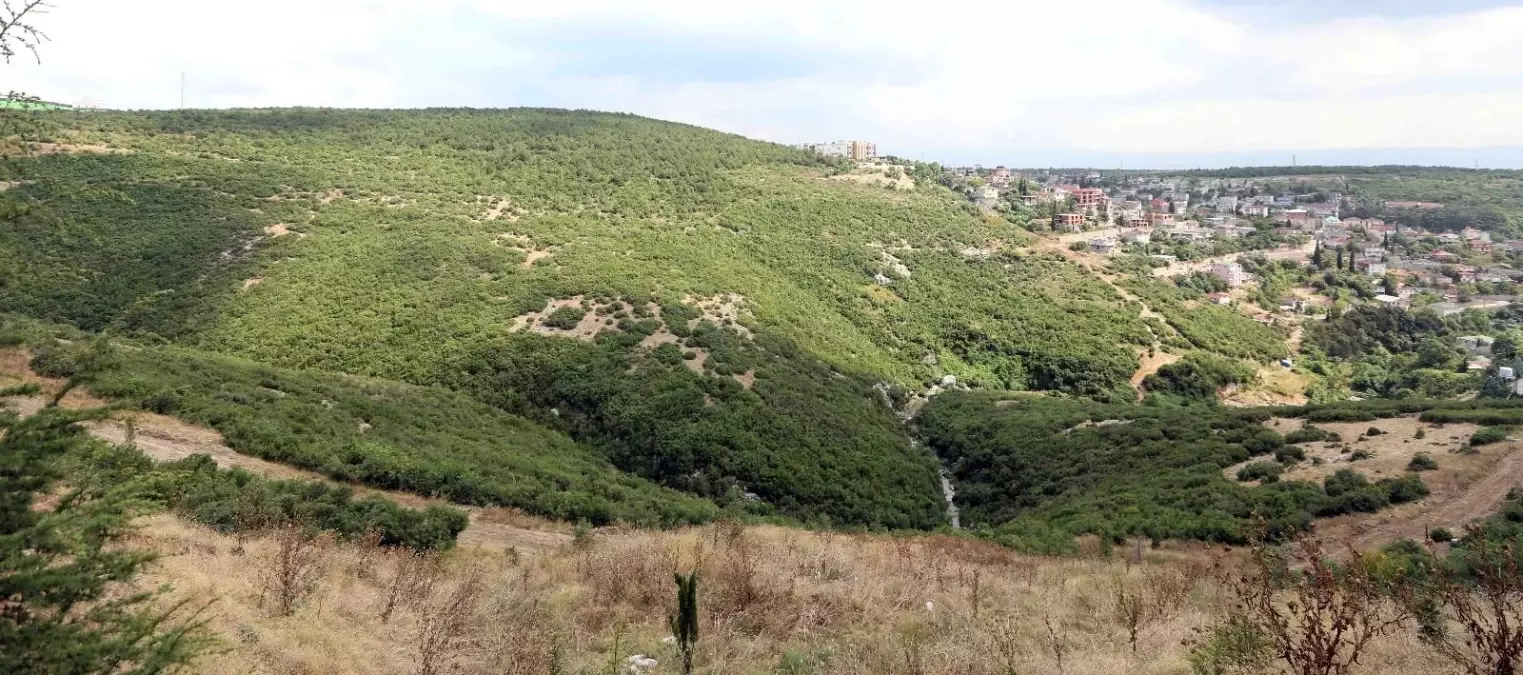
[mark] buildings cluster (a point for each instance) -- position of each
(859, 151)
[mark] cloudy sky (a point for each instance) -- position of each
(1021, 82)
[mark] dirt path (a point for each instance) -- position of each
(167, 439)
(1150, 365)
(1474, 491)
(1094, 263)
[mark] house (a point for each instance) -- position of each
(1444, 309)
(1374, 269)
(1158, 205)
(1157, 219)
(1137, 236)
(1068, 222)
(986, 196)
(1391, 300)
(1000, 176)
(1226, 204)
(1291, 303)
(1102, 245)
(1232, 273)
(1220, 299)
(1088, 198)
(1234, 231)
(1448, 238)
(1189, 234)
(1479, 245)
(1259, 210)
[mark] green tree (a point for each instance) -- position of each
(1435, 352)
(60, 573)
(684, 622)
(1505, 347)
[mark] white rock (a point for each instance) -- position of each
(948, 381)
(639, 663)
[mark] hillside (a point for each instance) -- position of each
(707, 312)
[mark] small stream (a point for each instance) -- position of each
(906, 416)
(949, 492)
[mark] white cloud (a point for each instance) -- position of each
(989, 81)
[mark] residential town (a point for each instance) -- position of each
(1184, 225)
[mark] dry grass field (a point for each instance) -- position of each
(772, 600)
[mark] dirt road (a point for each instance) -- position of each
(1481, 499)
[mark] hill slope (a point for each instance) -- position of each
(708, 312)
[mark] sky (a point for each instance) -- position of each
(1162, 83)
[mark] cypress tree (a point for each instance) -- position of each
(684, 623)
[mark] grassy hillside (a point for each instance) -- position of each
(723, 308)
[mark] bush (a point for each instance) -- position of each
(1262, 471)
(1198, 375)
(1290, 454)
(1488, 435)
(1422, 461)
(565, 318)
(1373, 431)
(1440, 535)
(1311, 434)
(1359, 455)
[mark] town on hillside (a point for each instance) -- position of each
(1281, 249)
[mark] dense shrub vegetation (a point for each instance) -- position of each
(1198, 375)
(234, 500)
(1210, 327)
(1124, 470)
(424, 440)
(403, 246)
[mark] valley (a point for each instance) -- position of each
(496, 374)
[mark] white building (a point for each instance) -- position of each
(1102, 245)
(1232, 273)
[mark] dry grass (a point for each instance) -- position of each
(770, 599)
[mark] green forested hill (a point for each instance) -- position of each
(745, 301)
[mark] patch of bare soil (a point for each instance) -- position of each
(331, 196)
(76, 149)
(277, 230)
(746, 379)
(500, 207)
(250, 283)
(878, 175)
(725, 309)
(523, 244)
(1464, 488)
(1149, 365)
(1274, 386)
(1390, 450)
(168, 439)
